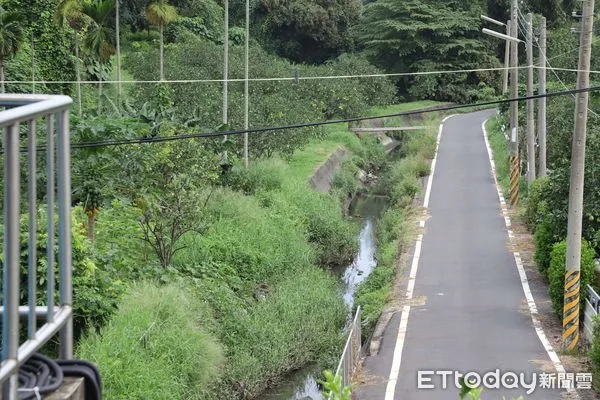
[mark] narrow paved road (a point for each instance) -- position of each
(468, 310)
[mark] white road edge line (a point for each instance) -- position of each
(524, 282)
(390, 389)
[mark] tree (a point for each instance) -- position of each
(161, 13)
(70, 11)
(11, 36)
(100, 38)
(309, 30)
(425, 35)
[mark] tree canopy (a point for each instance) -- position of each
(428, 35)
(308, 30)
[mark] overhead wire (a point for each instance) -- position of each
(549, 66)
(274, 79)
(213, 134)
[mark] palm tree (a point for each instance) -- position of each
(100, 38)
(11, 35)
(70, 11)
(161, 13)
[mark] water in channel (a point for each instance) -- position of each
(302, 385)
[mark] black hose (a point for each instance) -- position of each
(38, 376)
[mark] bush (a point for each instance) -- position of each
(96, 291)
(346, 179)
(535, 204)
(156, 346)
(544, 240)
(556, 273)
(262, 175)
(595, 351)
(254, 244)
(322, 218)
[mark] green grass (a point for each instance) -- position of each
(157, 346)
(500, 151)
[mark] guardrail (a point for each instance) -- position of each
(592, 308)
(352, 350)
(22, 113)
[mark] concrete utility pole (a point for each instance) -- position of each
(32, 64)
(117, 30)
(514, 108)
(506, 60)
(542, 101)
(246, 91)
(573, 261)
(225, 70)
(530, 105)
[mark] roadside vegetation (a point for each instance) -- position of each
(195, 277)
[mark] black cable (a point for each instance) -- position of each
(110, 143)
(106, 143)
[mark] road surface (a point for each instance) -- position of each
(468, 311)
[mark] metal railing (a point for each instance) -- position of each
(352, 351)
(592, 307)
(25, 111)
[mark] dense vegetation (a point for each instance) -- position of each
(176, 243)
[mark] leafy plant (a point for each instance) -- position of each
(11, 36)
(333, 388)
(556, 273)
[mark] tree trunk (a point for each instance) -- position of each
(2, 76)
(91, 224)
(162, 70)
(78, 76)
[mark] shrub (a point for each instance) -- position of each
(535, 204)
(265, 174)
(595, 350)
(556, 273)
(156, 346)
(544, 240)
(346, 179)
(253, 243)
(96, 291)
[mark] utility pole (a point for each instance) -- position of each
(117, 30)
(246, 91)
(506, 60)
(530, 105)
(32, 64)
(225, 72)
(542, 101)
(514, 108)
(570, 336)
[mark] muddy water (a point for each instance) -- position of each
(302, 385)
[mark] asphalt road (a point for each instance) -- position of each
(469, 311)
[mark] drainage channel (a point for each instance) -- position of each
(302, 384)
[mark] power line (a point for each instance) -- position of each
(554, 69)
(109, 143)
(282, 79)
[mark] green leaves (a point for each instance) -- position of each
(427, 35)
(333, 388)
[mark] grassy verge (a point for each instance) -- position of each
(394, 231)
(500, 151)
